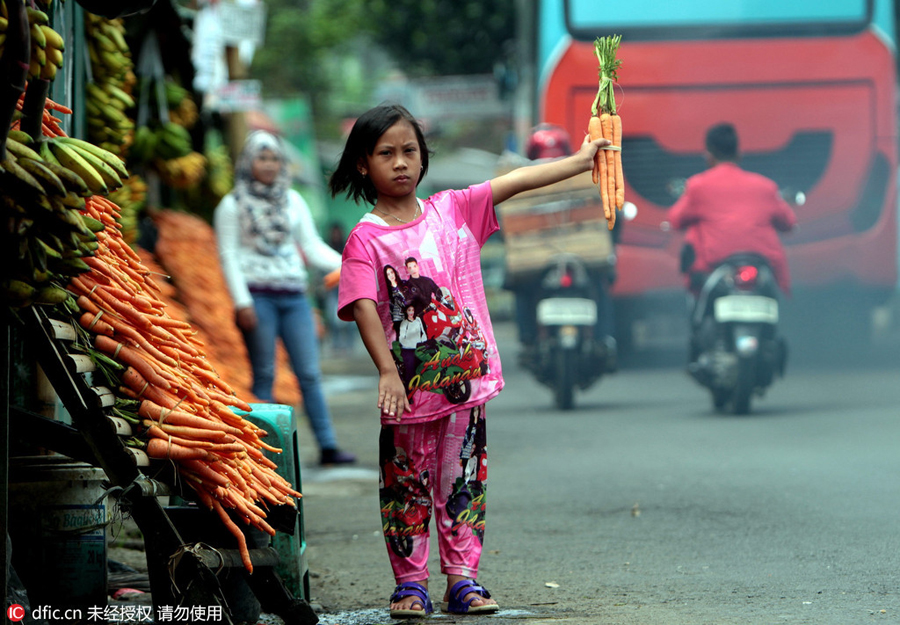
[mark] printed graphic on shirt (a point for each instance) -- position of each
(466, 504)
(438, 348)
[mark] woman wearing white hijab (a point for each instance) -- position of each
(261, 227)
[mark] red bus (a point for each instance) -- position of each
(811, 88)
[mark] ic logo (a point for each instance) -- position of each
(15, 613)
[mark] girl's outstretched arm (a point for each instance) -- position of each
(536, 176)
(391, 393)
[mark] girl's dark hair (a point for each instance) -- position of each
(361, 142)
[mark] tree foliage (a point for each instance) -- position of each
(300, 38)
(309, 41)
(436, 37)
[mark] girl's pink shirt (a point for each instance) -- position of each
(446, 241)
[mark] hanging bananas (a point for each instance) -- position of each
(182, 172)
(108, 98)
(131, 199)
(47, 45)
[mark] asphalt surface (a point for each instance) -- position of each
(642, 506)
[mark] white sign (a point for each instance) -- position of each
(466, 97)
(242, 23)
(237, 95)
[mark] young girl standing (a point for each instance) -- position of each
(432, 446)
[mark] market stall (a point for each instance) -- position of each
(105, 391)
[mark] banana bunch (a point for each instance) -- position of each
(183, 172)
(109, 97)
(108, 122)
(40, 201)
(220, 179)
(101, 170)
(182, 108)
(161, 141)
(130, 199)
(47, 45)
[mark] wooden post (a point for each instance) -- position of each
(236, 121)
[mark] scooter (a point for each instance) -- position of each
(567, 353)
(736, 350)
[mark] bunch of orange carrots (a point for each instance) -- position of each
(605, 123)
(184, 407)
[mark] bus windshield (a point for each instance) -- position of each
(716, 17)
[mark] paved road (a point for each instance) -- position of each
(642, 506)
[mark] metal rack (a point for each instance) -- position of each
(185, 554)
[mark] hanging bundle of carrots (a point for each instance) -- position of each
(606, 123)
(179, 407)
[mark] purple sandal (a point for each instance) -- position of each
(411, 589)
(458, 592)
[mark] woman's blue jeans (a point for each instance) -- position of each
(290, 317)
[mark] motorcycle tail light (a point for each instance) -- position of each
(745, 277)
(565, 280)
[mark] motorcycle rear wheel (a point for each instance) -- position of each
(564, 385)
(743, 389)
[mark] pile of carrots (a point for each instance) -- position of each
(605, 123)
(184, 407)
(186, 249)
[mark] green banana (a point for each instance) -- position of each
(21, 136)
(94, 225)
(21, 150)
(116, 35)
(71, 159)
(74, 200)
(105, 155)
(119, 95)
(11, 167)
(17, 290)
(51, 294)
(70, 266)
(94, 91)
(43, 174)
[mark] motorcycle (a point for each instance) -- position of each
(567, 353)
(736, 350)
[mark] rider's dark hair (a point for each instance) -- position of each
(722, 142)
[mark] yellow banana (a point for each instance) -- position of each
(71, 159)
(20, 149)
(105, 155)
(36, 16)
(39, 55)
(110, 176)
(38, 37)
(53, 38)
